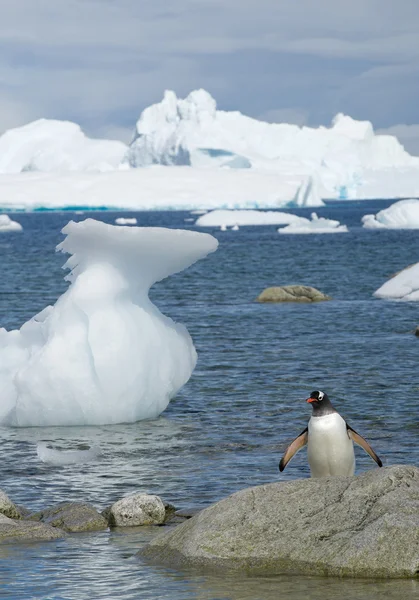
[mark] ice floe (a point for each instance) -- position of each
(218, 218)
(126, 221)
(315, 225)
(400, 215)
(6, 224)
(403, 286)
(103, 353)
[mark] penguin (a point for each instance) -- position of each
(329, 439)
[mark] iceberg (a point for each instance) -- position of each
(126, 221)
(316, 225)
(224, 218)
(6, 224)
(49, 145)
(104, 353)
(403, 286)
(400, 215)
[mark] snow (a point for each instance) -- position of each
(126, 221)
(316, 225)
(103, 353)
(154, 188)
(6, 224)
(403, 286)
(218, 218)
(49, 145)
(400, 215)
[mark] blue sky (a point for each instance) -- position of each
(100, 62)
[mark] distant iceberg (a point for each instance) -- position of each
(219, 218)
(103, 353)
(403, 286)
(6, 224)
(400, 215)
(126, 221)
(315, 225)
(56, 146)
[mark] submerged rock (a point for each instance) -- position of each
(15, 531)
(139, 509)
(291, 293)
(361, 526)
(72, 517)
(7, 507)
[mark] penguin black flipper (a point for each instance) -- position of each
(358, 439)
(296, 445)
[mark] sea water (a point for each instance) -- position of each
(228, 426)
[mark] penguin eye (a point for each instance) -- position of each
(321, 396)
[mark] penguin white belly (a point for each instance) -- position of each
(330, 451)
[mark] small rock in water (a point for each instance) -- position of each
(291, 293)
(29, 531)
(138, 509)
(72, 517)
(7, 507)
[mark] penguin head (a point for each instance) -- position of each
(321, 404)
(318, 397)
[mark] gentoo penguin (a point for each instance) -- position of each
(329, 440)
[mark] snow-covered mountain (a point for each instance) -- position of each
(49, 145)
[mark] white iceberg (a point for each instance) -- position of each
(60, 457)
(400, 215)
(103, 353)
(6, 224)
(154, 188)
(403, 286)
(126, 221)
(315, 225)
(218, 218)
(49, 145)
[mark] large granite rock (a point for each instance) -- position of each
(138, 509)
(72, 517)
(27, 531)
(291, 293)
(366, 526)
(7, 507)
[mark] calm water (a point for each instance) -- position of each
(228, 426)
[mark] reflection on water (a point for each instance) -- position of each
(227, 428)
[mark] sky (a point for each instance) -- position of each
(101, 62)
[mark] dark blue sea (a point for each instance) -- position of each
(228, 426)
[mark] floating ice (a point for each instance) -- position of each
(218, 218)
(103, 353)
(49, 145)
(400, 215)
(403, 286)
(316, 225)
(57, 456)
(126, 221)
(6, 224)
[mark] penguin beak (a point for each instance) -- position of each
(311, 399)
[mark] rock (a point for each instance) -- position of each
(361, 526)
(291, 293)
(72, 517)
(417, 331)
(8, 508)
(14, 531)
(138, 509)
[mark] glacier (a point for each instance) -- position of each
(400, 215)
(403, 286)
(188, 154)
(103, 353)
